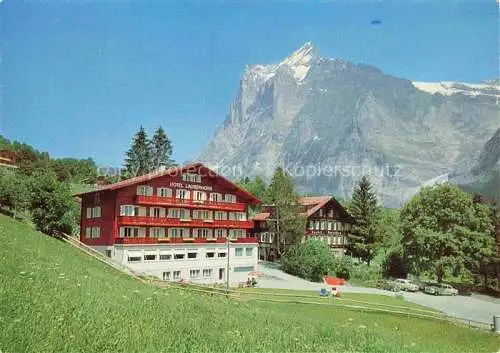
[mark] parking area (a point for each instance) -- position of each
(475, 307)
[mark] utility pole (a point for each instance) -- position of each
(227, 277)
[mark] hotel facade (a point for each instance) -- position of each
(184, 223)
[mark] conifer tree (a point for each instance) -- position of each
(161, 150)
(138, 157)
(289, 225)
(363, 237)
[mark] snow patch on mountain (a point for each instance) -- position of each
(448, 88)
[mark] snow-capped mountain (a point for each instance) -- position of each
(329, 121)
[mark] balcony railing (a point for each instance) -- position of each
(147, 240)
(177, 222)
(206, 204)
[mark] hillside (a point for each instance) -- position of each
(329, 121)
(55, 299)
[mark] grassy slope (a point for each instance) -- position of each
(56, 299)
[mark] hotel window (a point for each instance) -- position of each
(96, 232)
(178, 232)
(248, 251)
(238, 252)
(329, 225)
(166, 276)
(237, 233)
(165, 257)
(145, 190)
(200, 196)
(215, 196)
(88, 232)
(157, 212)
(93, 212)
(194, 273)
(182, 194)
(129, 232)
(192, 178)
(179, 256)
(330, 213)
(207, 273)
(311, 225)
(321, 212)
(202, 214)
(203, 233)
(210, 255)
(177, 274)
(221, 254)
(323, 225)
(149, 257)
(134, 257)
(157, 232)
(316, 225)
(237, 216)
(220, 215)
(230, 198)
(192, 255)
(220, 233)
(164, 192)
(178, 213)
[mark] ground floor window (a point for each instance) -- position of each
(243, 269)
(149, 257)
(165, 257)
(177, 274)
(210, 255)
(221, 254)
(178, 256)
(192, 255)
(207, 273)
(194, 273)
(166, 276)
(248, 251)
(134, 258)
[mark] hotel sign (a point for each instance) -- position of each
(190, 186)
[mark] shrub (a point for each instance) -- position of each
(310, 260)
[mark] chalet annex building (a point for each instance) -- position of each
(327, 220)
(181, 223)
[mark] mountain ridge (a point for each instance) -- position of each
(320, 114)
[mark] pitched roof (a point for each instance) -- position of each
(261, 216)
(316, 202)
(194, 168)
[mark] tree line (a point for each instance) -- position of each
(442, 233)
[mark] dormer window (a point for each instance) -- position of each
(192, 178)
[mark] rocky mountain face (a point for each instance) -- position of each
(482, 174)
(329, 121)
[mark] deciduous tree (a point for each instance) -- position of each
(445, 232)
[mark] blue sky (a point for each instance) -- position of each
(78, 78)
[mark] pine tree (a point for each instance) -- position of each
(363, 238)
(138, 157)
(289, 224)
(161, 150)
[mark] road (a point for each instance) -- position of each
(476, 307)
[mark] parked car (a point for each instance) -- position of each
(406, 285)
(392, 286)
(440, 289)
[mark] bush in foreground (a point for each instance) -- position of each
(310, 260)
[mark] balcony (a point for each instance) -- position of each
(183, 241)
(181, 223)
(172, 201)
